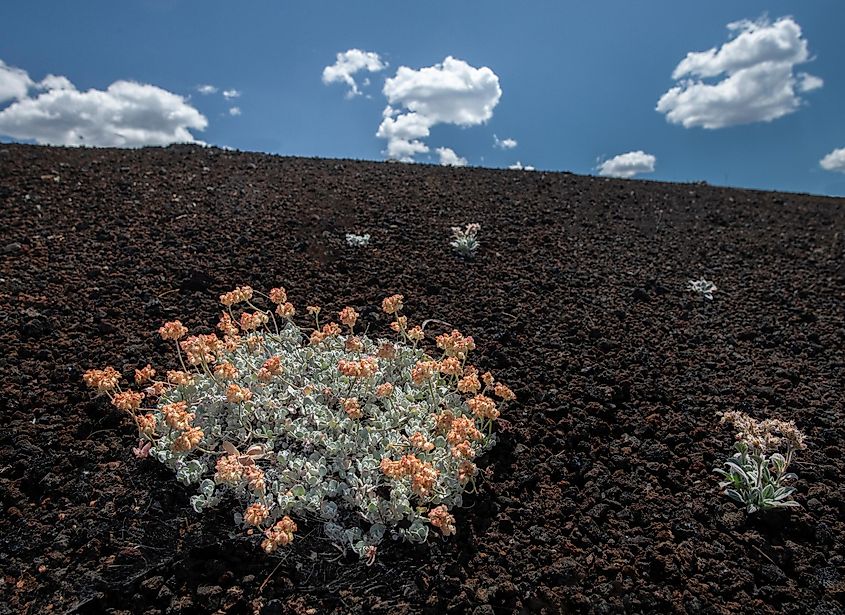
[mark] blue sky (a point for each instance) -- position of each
(577, 82)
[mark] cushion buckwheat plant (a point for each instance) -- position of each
(369, 436)
(757, 474)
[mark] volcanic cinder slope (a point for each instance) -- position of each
(600, 496)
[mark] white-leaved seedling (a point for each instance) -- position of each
(702, 287)
(465, 240)
(369, 436)
(357, 241)
(757, 475)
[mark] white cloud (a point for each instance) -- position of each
(448, 157)
(504, 143)
(350, 62)
(207, 89)
(808, 83)
(14, 82)
(452, 92)
(126, 114)
(55, 82)
(229, 94)
(834, 161)
(518, 166)
(235, 111)
(627, 165)
(757, 80)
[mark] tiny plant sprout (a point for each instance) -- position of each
(757, 474)
(357, 241)
(702, 287)
(465, 240)
(365, 437)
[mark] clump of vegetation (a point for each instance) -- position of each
(757, 475)
(369, 436)
(465, 240)
(357, 241)
(702, 287)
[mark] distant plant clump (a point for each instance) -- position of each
(369, 436)
(757, 474)
(703, 287)
(465, 240)
(357, 241)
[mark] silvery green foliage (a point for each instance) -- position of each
(319, 463)
(703, 287)
(357, 241)
(757, 481)
(465, 240)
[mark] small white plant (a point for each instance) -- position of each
(465, 240)
(357, 241)
(703, 287)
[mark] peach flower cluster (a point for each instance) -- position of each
(173, 330)
(272, 367)
(176, 415)
(226, 371)
(279, 535)
(362, 368)
(236, 394)
(102, 379)
(423, 371)
(145, 374)
(348, 316)
(180, 378)
(422, 473)
(255, 514)
(419, 441)
(201, 349)
(392, 304)
(128, 401)
(278, 295)
(239, 295)
(256, 320)
(440, 518)
(483, 407)
(352, 407)
(455, 345)
(331, 329)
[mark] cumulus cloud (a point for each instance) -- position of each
(126, 114)
(235, 111)
(207, 89)
(504, 143)
(452, 92)
(448, 157)
(350, 62)
(229, 94)
(834, 161)
(754, 73)
(627, 165)
(518, 166)
(14, 82)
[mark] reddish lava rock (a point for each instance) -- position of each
(600, 496)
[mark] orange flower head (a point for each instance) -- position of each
(145, 374)
(348, 316)
(392, 304)
(440, 518)
(278, 295)
(255, 514)
(173, 330)
(128, 401)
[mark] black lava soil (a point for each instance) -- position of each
(600, 496)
